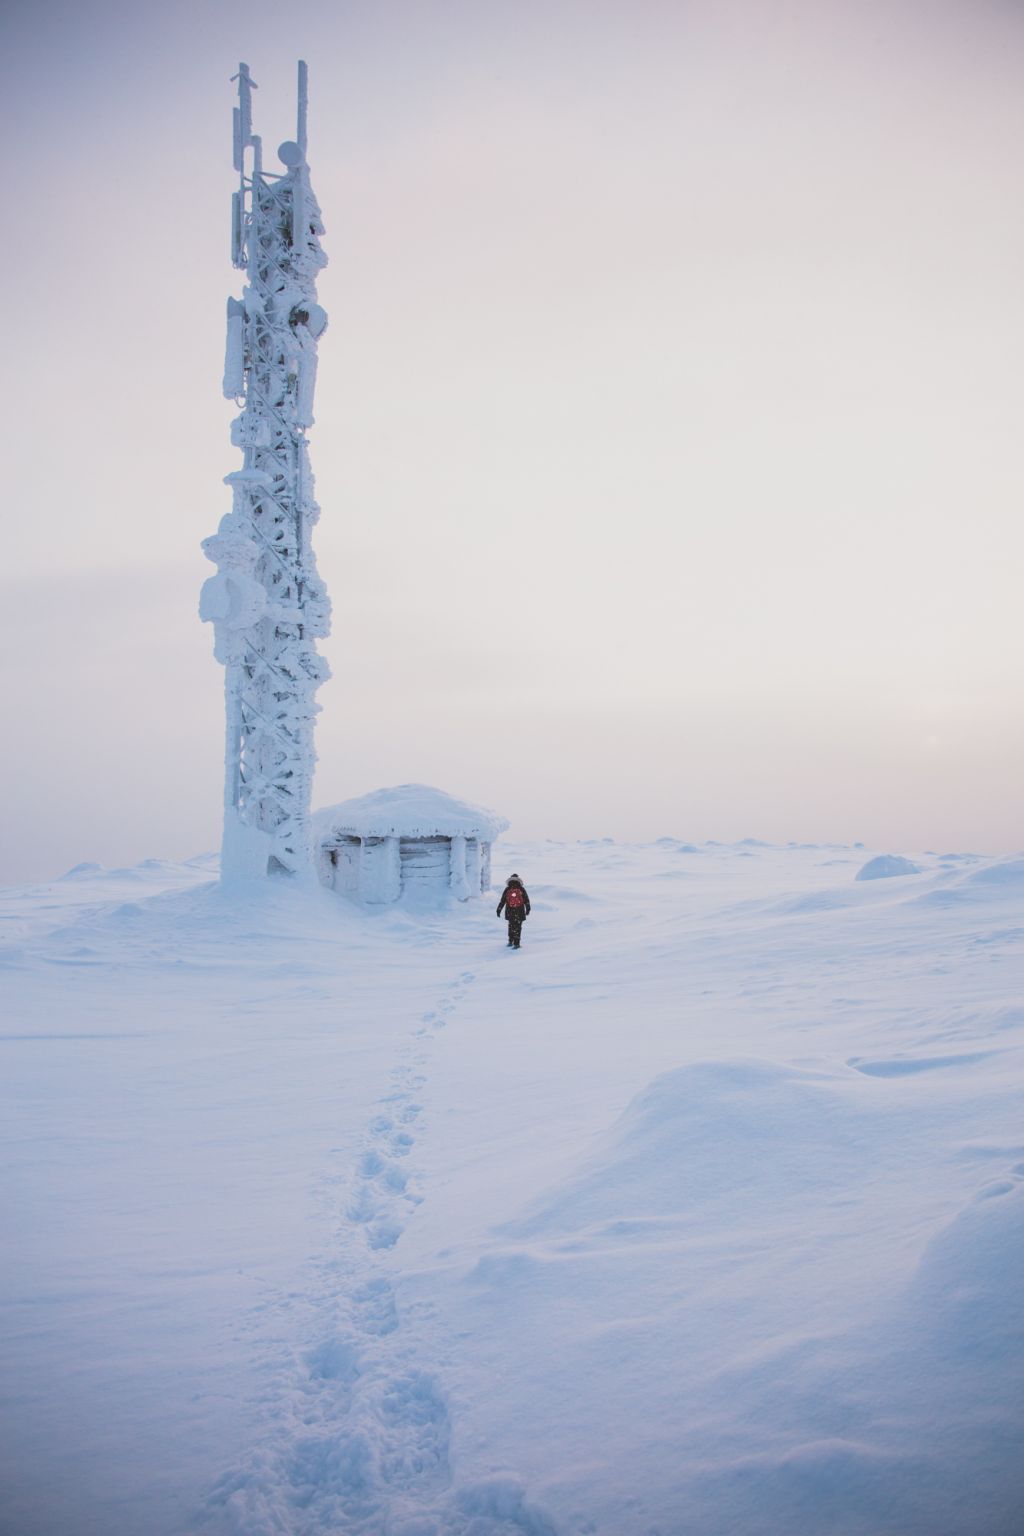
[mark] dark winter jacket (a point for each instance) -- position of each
(524, 909)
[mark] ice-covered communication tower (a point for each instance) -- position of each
(267, 603)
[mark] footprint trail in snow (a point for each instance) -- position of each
(359, 1437)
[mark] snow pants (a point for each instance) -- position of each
(515, 928)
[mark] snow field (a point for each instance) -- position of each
(702, 1213)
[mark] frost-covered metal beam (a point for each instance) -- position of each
(267, 603)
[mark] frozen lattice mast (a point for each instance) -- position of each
(267, 603)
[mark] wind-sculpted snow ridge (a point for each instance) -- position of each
(913, 1418)
(905, 1420)
(708, 1134)
(1004, 872)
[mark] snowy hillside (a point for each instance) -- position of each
(702, 1215)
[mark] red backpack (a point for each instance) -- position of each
(514, 898)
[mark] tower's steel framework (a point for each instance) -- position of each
(267, 603)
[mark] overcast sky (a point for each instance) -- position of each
(668, 427)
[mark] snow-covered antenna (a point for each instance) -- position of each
(303, 106)
(267, 603)
(243, 115)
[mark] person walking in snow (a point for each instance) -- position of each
(516, 902)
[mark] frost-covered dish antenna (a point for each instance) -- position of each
(267, 603)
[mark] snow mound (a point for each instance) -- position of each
(1008, 872)
(705, 1135)
(908, 1424)
(407, 810)
(966, 1296)
(886, 866)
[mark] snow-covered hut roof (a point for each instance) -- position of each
(407, 810)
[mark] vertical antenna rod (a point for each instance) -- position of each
(303, 105)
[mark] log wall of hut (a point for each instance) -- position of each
(378, 870)
(424, 863)
(473, 862)
(380, 873)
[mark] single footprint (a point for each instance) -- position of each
(384, 1234)
(374, 1307)
(362, 1207)
(335, 1359)
(415, 1445)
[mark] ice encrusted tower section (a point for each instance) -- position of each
(267, 603)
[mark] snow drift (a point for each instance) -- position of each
(703, 1213)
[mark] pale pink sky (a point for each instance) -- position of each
(667, 431)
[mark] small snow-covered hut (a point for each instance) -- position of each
(408, 841)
